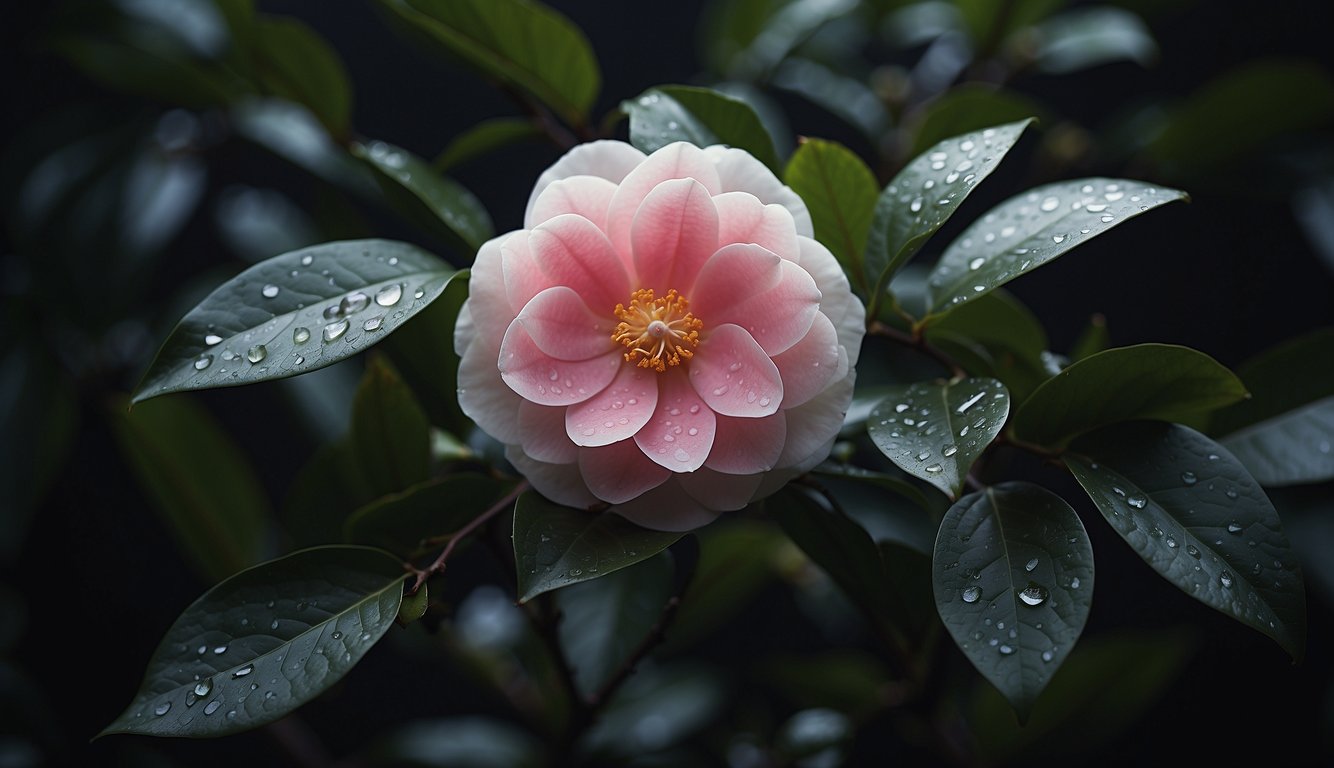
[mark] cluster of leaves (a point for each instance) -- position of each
(915, 509)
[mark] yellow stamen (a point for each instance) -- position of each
(659, 332)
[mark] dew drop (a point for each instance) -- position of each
(269, 291)
(353, 303)
(1050, 204)
(934, 469)
(1137, 502)
(334, 330)
(1234, 527)
(1189, 478)
(300, 335)
(1005, 650)
(1193, 551)
(977, 263)
(949, 450)
(389, 295)
(221, 649)
(1225, 579)
(204, 687)
(1074, 582)
(1033, 594)
(213, 706)
(213, 339)
(971, 594)
(373, 323)
(162, 708)
(203, 361)
(1031, 564)
(257, 353)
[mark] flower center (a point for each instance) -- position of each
(658, 332)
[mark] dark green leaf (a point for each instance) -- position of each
(936, 431)
(840, 192)
(423, 351)
(1104, 686)
(657, 708)
(923, 195)
(1091, 341)
(1242, 110)
(771, 33)
(293, 62)
(669, 113)
(483, 138)
(1280, 380)
(400, 522)
(1013, 573)
(603, 621)
(413, 606)
(437, 203)
(970, 107)
(1031, 229)
(1086, 37)
(737, 558)
(555, 546)
(264, 642)
(1011, 340)
(847, 680)
(902, 518)
(294, 133)
(327, 489)
(295, 313)
(521, 43)
(390, 438)
(200, 481)
(835, 543)
(1145, 381)
(1291, 449)
(990, 22)
(1196, 516)
(849, 98)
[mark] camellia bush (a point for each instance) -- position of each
(710, 357)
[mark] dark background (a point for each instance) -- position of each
(98, 579)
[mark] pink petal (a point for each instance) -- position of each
(742, 218)
(739, 171)
(562, 483)
(486, 286)
(777, 318)
(811, 428)
(674, 161)
(732, 270)
(674, 232)
(619, 472)
(734, 375)
(748, 446)
(543, 379)
(587, 196)
(667, 508)
(523, 278)
(716, 490)
(542, 434)
(573, 252)
(680, 434)
(617, 412)
(561, 325)
(610, 160)
(494, 408)
(808, 366)
(837, 302)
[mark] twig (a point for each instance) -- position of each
(439, 563)
(543, 119)
(656, 634)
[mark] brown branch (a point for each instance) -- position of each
(438, 565)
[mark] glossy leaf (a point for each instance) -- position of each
(555, 546)
(483, 138)
(520, 43)
(1291, 449)
(201, 483)
(669, 113)
(413, 606)
(1086, 37)
(1006, 336)
(737, 558)
(936, 431)
(401, 522)
(657, 708)
(774, 32)
(1013, 574)
(1281, 379)
(603, 621)
(1029, 230)
(840, 192)
(293, 62)
(390, 437)
(1146, 381)
(835, 543)
(437, 203)
(294, 133)
(922, 196)
(264, 642)
(1196, 516)
(295, 313)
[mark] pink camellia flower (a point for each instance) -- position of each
(663, 338)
